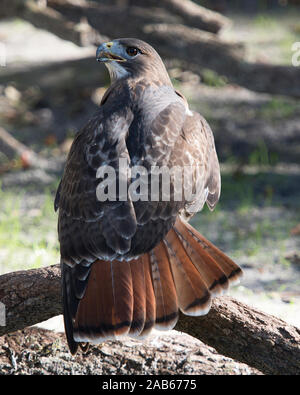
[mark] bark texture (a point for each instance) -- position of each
(247, 335)
(39, 351)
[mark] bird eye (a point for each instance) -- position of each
(132, 51)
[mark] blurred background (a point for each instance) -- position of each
(237, 64)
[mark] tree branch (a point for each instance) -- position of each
(39, 351)
(59, 77)
(48, 18)
(186, 11)
(30, 296)
(192, 14)
(28, 157)
(233, 328)
(247, 335)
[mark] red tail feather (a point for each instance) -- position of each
(182, 272)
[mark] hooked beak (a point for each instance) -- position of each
(108, 52)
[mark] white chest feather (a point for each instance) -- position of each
(116, 70)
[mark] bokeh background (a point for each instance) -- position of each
(233, 62)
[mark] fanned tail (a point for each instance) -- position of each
(215, 260)
(121, 298)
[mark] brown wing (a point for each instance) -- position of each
(195, 152)
(88, 228)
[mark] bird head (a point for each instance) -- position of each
(131, 58)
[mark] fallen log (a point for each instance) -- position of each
(61, 77)
(192, 14)
(247, 335)
(172, 38)
(28, 157)
(187, 11)
(37, 351)
(49, 19)
(233, 328)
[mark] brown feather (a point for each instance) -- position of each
(230, 268)
(164, 289)
(106, 308)
(123, 296)
(212, 274)
(193, 295)
(92, 315)
(131, 297)
(150, 313)
(139, 296)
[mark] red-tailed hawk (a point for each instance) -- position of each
(129, 264)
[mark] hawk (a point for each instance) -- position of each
(130, 264)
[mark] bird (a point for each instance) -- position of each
(132, 262)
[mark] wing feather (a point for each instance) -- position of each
(195, 152)
(113, 225)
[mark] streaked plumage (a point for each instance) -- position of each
(128, 266)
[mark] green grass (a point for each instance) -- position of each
(211, 78)
(28, 236)
(267, 35)
(261, 156)
(254, 215)
(283, 34)
(264, 21)
(278, 108)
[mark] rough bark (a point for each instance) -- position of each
(30, 296)
(36, 351)
(234, 329)
(247, 335)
